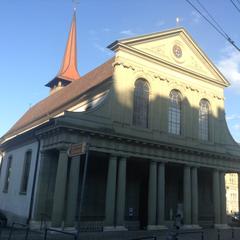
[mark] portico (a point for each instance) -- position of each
(131, 191)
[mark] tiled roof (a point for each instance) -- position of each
(62, 99)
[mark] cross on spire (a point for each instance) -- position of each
(75, 3)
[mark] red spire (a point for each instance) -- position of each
(69, 69)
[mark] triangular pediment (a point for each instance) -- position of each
(177, 48)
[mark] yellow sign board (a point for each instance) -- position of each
(77, 149)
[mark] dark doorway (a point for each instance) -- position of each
(143, 200)
(174, 190)
(205, 197)
(137, 193)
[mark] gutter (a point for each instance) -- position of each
(34, 183)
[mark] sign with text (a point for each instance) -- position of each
(77, 149)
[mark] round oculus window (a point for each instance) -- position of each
(177, 51)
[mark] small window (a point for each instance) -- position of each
(203, 120)
(141, 103)
(8, 174)
(26, 170)
(174, 113)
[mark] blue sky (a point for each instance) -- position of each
(34, 35)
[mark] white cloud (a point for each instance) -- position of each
(128, 32)
(229, 65)
(196, 18)
(236, 127)
(232, 117)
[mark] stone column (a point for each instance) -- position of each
(152, 196)
(223, 198)
(194, 175)
(60, 189)
(161, 194)
(187, 196)
(73, 186)
(216, 196)
(121, 192)
(110, 194)
(43, 177)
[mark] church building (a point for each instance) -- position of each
(127, 146)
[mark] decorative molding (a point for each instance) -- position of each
(174, 83)
(159, 51)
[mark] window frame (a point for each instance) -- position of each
(141, 102)
(204, 121)
(25, 173)
(8, 174)
(175, 113)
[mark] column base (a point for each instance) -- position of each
(108, 228)
(121, 228)
(221, 226)
(191, 226)
(114, 229)
(156, 227)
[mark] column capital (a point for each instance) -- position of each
(125, 157)
(63, 148)
(191, 165)
(153, 161)
(113, 157)
(162, 160)
(162, 163)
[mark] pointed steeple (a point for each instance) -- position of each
(68, 71)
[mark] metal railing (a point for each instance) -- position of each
(192, 232)
(24, 226)
(221, 230)
(146, 238)
(174, 234)
(0, 230)
(74, 235)
(43, 220)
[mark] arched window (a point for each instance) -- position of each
(140, 103)
(174, 113)
(203, 119)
